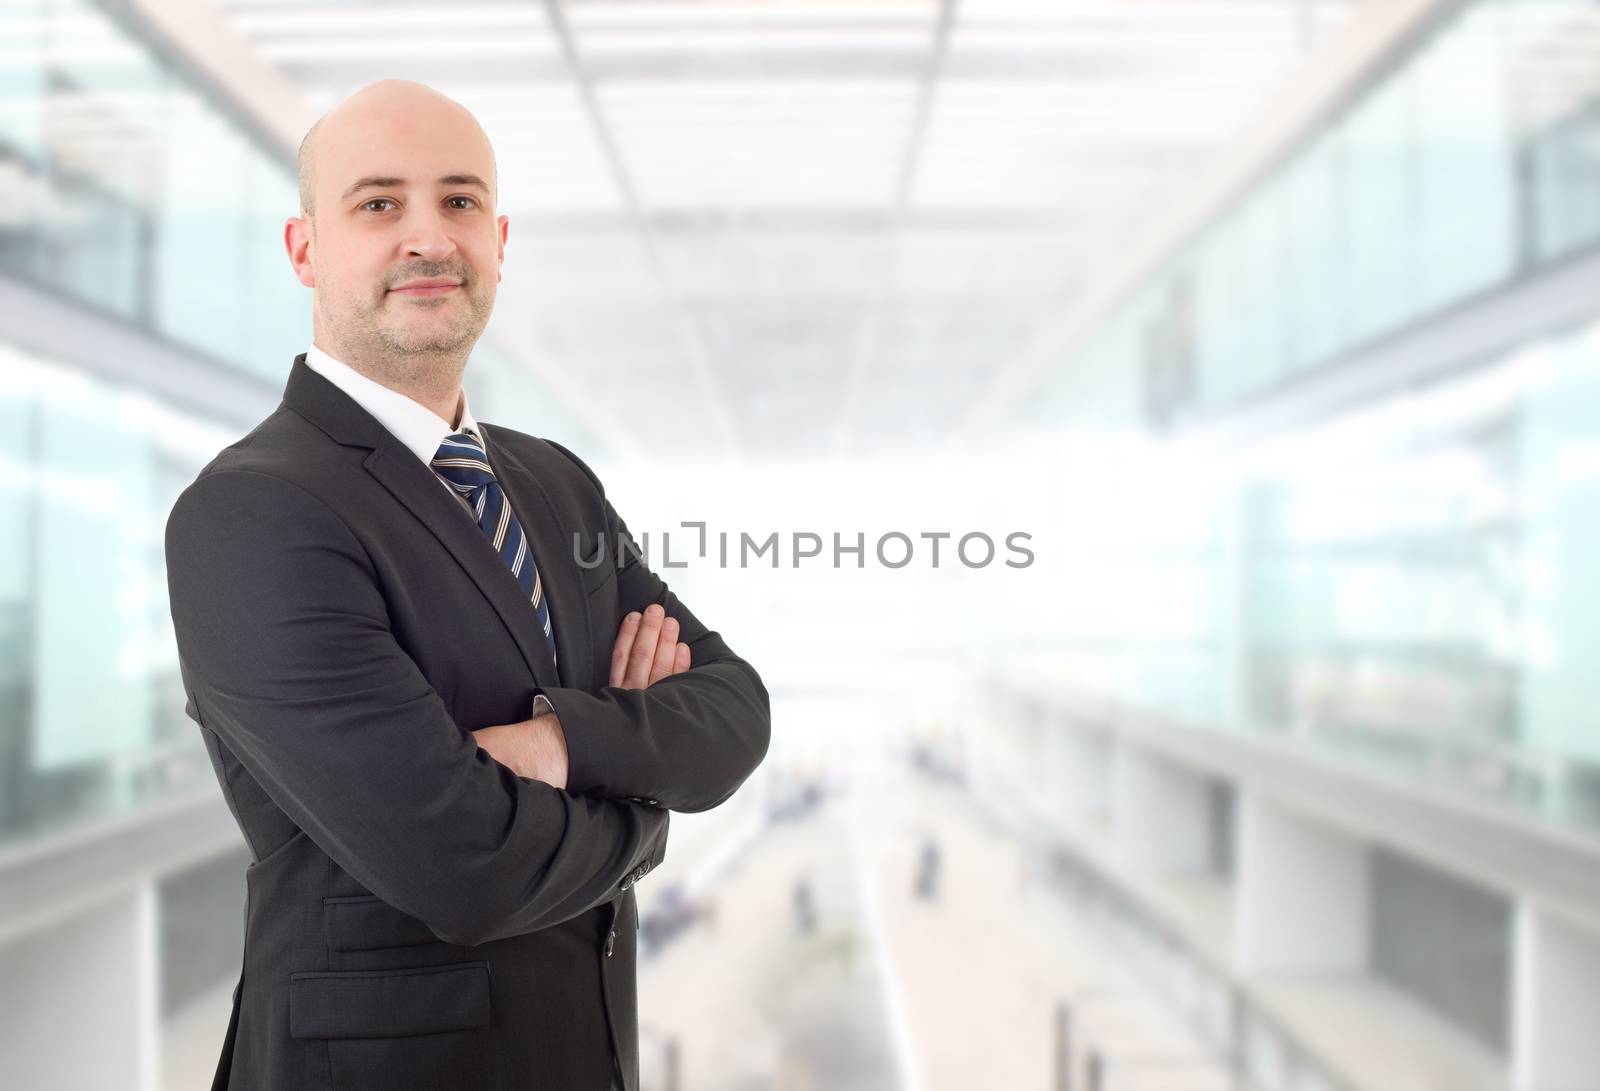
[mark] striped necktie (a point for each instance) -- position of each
(461, 461)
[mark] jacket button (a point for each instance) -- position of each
(611, 942)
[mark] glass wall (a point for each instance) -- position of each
(1410, 584)
(123, 188)
(1473, 161)
(91, 717)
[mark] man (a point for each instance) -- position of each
(451, 746)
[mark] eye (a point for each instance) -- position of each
(472, 202)
(376, 201)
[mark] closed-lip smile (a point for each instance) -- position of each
(422, 286)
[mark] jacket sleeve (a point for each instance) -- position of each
(688, 741)
(285, 647)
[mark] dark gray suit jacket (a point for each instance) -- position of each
(418, 916)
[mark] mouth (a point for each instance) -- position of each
(426, 286)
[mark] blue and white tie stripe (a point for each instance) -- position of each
(462, 462)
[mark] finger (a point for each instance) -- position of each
(666, 651)
(624, 645)
(680, 661)
(642, 656)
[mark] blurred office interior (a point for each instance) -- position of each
(1273, 325)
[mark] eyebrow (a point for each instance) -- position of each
(376, 182)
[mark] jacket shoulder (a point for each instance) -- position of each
(277, 445)
(284, 456)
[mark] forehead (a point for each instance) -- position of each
(419, 146)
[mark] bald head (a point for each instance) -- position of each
(307, 172)
(388, 112)
(407, 247)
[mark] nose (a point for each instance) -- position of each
(425, 235)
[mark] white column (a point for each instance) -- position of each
(1161, 819)
(1079, 765)
(80, 1007)
(1301, 900)
(1555, 1006)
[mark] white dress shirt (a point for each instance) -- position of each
(411, 422)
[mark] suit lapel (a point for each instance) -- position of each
(558, 568)
(417, 487)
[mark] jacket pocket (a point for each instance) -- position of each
(594, 565)
(596, 578)
(401, 1030)
(389, 1003)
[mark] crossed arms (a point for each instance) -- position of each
(647, 649)
(287, 655)
(688, 740)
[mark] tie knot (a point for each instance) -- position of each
(462, 462)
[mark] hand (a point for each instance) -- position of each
(535, 749)
(647, 649)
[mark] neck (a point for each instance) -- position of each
(433, 382)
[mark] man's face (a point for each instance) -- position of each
(403, 196)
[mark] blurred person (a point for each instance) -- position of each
(450, 739)
(673, 913)
(805, 909)
(926, 883)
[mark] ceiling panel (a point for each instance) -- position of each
(803, 229)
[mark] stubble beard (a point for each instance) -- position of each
(391, 351)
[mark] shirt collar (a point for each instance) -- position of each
(411, 422)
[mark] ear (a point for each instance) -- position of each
(297, 241)
(504, 225)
